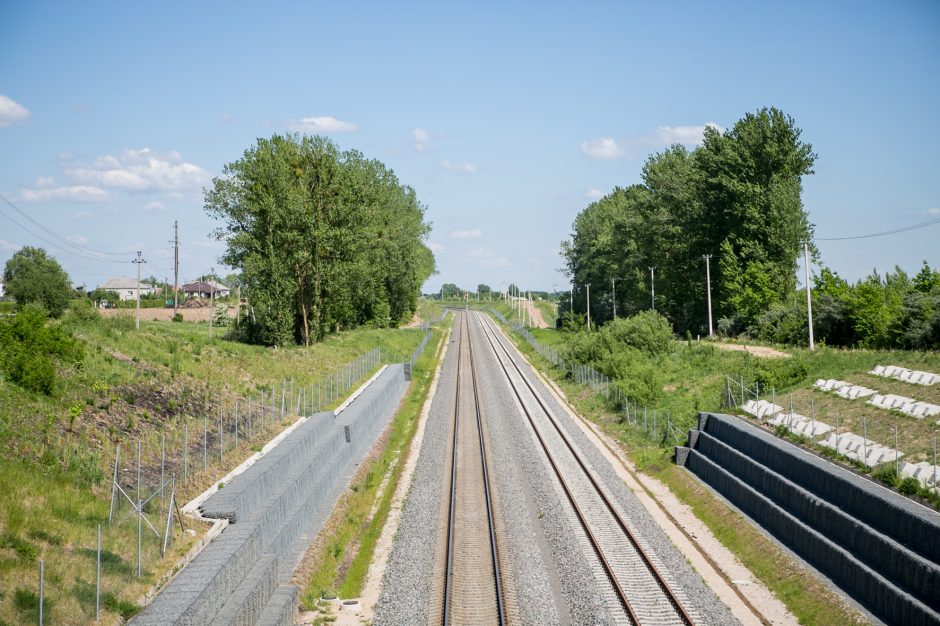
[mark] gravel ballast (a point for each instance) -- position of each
(551, 566)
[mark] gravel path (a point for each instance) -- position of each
(702, 599)
(551, 565)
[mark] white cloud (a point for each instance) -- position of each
(142, 169)
(602, 149)
(12, 112)
(473, 233)
(435, 247)
(154, 206)
(422, 139)
(6, 246)
(79, 239)
(594, 194)
(686, 135)
(44, 182)
(933, 211)
(71, 193)
(324, 124)
(84, 215)
(461, 168)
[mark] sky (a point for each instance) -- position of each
(506, 118)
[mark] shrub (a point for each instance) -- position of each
(31, 348)
(177, 317)
(909, 486)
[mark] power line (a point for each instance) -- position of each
(64, 240)
(929, 222)
(97, 259)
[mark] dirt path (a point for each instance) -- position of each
(758, 351)
(164, 315)
(535, 315)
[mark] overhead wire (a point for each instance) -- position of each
(64, 240)
(903, 229)
(77, 253)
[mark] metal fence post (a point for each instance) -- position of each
(98, 577)
(117, 454)
(42, 589)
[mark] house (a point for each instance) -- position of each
(221, 291)
(1, 289)
(203, 289)
(126, 287)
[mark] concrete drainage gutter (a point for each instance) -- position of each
(270, 509)
(879, 547)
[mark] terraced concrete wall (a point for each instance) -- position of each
(774, 483)
(907, 522)
(276, 507)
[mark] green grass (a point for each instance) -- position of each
(349, 542)
(54, 477)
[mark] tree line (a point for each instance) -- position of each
(323, 239)
(735, 197)
(737, 200)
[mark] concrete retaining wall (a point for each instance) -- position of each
(905, 521)
(775, 484)
(908, 570)
(277, 506)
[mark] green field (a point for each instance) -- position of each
(133, 385)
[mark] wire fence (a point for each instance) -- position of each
(652, 424)
(150, 474)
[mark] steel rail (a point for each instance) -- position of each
(657, 575)
(500, 605)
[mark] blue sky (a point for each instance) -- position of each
(506, 118)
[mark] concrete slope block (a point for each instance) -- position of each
(881, 548)
(863, 583)
(904, 567)
(276, 507)
(915, 377)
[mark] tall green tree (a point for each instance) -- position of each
(33, 277)
(324, 239)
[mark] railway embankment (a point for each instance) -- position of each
(275, 509)
(882, 549)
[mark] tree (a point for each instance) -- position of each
(33, 277)
(737, 197)
(484, 291)
(323, 239)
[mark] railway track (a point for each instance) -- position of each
(473, 590)
(638, 582)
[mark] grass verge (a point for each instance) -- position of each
(348, 543)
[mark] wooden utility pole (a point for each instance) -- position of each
(138, 261)
(176, 266)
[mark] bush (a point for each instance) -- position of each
(649, 332)
(909, 486)
(177, 317)
(31, 348)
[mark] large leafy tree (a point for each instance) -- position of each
(324, 239)
(33, 277)
(737, 198)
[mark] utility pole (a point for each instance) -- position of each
(176, 265)
(588, 285)
(708, 286)
(138, 261)
(653, 285)
(211, 302)
(809, 299)
(613, 289)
